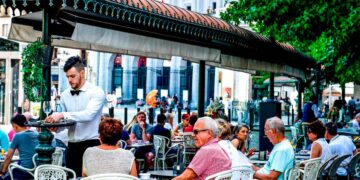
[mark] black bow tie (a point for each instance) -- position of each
(73, 92)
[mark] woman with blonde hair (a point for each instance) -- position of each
(237, 157)
(131, 123)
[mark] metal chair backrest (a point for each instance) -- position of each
(123, 144)
(352, 165)
(294, 133)
(311, 168)
(188, 141)
(159, 145)
(57, 156)
(110, 176)
(336, 164)
(292, 174)
(323, 167)
(15, 165)
(224, 175)
(243, 172)
(50, 172)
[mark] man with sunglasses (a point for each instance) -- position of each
(210, 158)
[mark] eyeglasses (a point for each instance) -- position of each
(197, 131)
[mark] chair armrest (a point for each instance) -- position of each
(171, 147)
(14, 165)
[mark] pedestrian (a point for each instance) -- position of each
(82, 102)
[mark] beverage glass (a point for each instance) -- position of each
(47, 108)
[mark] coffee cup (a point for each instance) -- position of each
(144, 176)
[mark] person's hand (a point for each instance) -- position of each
(55, 117)
(53, 129)
(142, 124)
(251, 152)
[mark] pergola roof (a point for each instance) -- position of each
(214, 40)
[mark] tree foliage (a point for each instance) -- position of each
(33, 81)
(326, 30)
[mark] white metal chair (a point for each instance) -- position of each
(14, 165)
(110, 176)
(243, 172)
(52, 172)
(311, 168)
(189, 147)
(162, 150)
(57, 159)
(140, 162)
(123, 144)
(224, 175)
(292, 174)
(57, 156)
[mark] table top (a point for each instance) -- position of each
(348, 132)
(41, 123)
(139, 145)
(162, 173)
(14, 158)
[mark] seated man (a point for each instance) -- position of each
(210, 158)
(25, 142)
(143, 131)
(159, 128)
(339, 145)
(281, 157)
(356, 122)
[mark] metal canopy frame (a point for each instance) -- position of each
(230, 46)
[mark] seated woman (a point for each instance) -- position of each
(108, 157)
(319, 147)
(237, 157)
(181, 127)
(240, 138)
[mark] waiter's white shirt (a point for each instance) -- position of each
(85, 109)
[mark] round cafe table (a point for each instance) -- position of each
(44, 149)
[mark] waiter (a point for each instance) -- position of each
(82, 102)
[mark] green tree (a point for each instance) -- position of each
(326, 30)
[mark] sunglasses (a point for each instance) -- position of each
(196, 131)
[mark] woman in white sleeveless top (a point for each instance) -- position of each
(108, 157)
(237, 157)
(319, 148)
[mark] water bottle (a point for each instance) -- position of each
(58, 107)
(175, 169)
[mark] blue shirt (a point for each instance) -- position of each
(160, 130)
(138, 132)
(282, 158)
(4, 140)
(125, 135)
(25, 142)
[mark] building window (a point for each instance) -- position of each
(163, 78)
(188, 8)
(214, 5)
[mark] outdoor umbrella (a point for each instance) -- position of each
(151, 98)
